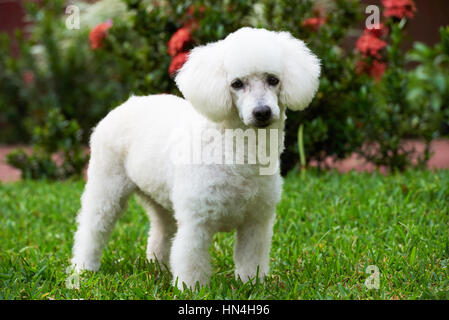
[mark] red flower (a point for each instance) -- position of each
(370, 45)
(376, 69)
(399, 8)
(378, 30)
(177, 62)
(28, 77)
(178, 41)
(314, 23)
(98, 33)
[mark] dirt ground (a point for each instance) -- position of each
(440, 160)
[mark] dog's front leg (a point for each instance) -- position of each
(189, 258)
(252, 249)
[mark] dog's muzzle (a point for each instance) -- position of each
(262, 115)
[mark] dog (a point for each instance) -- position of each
(243, 82)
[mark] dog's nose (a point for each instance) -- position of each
(262, 113)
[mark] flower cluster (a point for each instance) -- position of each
(177, 49)
(370, 45)
(399, 8)
(177, 62)
(375, 68)
(98, 33)
(181, 40)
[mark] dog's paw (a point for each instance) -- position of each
(80, 267)
(191, 284)
(162, 260)
(252, 277)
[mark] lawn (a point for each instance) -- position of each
(330, 227)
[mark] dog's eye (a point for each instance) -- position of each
(272, 80)
(237, 84)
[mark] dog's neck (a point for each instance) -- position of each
(235, 123)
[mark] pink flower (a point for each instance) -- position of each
(98, 33)
(177, 62)
(399, 8)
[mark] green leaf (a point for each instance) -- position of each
(440, 82)
(412, 256)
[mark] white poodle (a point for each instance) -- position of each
(244, 82)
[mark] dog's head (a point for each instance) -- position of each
(254, 72)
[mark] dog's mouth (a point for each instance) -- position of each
(262, 124)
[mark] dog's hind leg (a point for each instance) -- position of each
(162, 229)
(103, 200)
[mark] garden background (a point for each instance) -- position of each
(382, 107)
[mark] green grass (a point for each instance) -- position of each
(329, 228)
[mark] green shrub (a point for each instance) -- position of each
(54, 92)
(57, 137)
(394, 119)
(56, 69)
(429, 82)
(140, 43)
(80, 78)
(14, 91)
(330, 122)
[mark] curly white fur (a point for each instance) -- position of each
(187, 203)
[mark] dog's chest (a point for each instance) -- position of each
(223, 198)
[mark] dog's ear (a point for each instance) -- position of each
(301, 71)
(202, 80)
